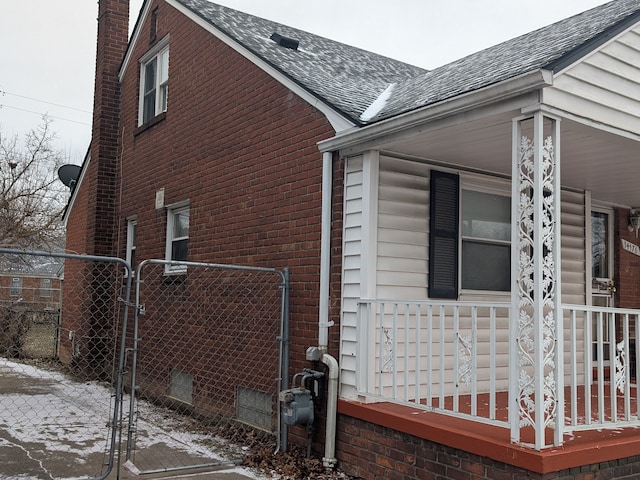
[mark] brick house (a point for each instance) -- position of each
(30, 302)
(474, 336)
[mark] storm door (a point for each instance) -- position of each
(602, 284)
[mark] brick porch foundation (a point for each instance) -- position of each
(390, 442)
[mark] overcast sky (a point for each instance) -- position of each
(47, 47)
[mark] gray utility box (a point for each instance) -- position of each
(297, 406)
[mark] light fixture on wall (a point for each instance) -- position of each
(634, 220)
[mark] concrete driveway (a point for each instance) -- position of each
(52, 428)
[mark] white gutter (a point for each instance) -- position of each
(325, 252)
(329, 460)
(371, 136)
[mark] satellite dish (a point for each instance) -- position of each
(68, 175)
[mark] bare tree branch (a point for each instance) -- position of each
(32, 199)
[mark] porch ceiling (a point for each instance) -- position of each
(591, 158)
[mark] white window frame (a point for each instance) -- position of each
(16, 287)
(172, 213)
(159, 54)
(132, 226)
(46, 285)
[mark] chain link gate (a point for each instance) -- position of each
(206, 360)
(60, 366)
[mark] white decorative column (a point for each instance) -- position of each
(536, 399)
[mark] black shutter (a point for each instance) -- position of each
(443, 235)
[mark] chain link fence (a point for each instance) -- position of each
(207, 356)
(168, 368)
(59, 357)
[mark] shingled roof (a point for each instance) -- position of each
(352, 80)
(347, 78)
(552, 47)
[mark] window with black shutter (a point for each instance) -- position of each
(470, 237)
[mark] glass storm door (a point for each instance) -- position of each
(602, 288)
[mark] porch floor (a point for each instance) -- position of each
(581, 447)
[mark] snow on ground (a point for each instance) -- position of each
(56, 415)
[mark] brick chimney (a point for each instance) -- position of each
(98, 321)
(113, 26)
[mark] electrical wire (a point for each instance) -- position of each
(4, 92)
(41, 114)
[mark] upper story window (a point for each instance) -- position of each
(154, 82)
(470, 237)
(177, 236)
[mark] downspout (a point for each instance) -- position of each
(329, 460)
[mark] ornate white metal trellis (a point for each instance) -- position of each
(536, 332)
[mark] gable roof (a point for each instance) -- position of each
(552, 48)
(366, 87)
(347, 78)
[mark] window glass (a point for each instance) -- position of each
(600, 244)
(181, 224)
(177, 237)
(45, 287)
(16, 287)
(154, 85)
(486, 266)
(486, 215)
(149, 107)
(132, 240)
(486, 235)
(163, 81)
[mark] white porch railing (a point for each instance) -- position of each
(601, 367)
(454, 357)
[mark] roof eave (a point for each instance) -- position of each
(593, 44)
(76, 188)
(513, 87)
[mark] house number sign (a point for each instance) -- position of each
(630, 247)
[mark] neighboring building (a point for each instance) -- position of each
(36, 281)
(30, 302)
(387, 190)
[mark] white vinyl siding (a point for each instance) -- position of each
(593, 88)
(351, 272)
(573, 248)
(401, 254)
(403, 222)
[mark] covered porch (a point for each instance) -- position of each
(543, 361)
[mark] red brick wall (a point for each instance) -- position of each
(371, 452)
(31, 293)
(91, 225)
(242, 149)
(627, 266)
